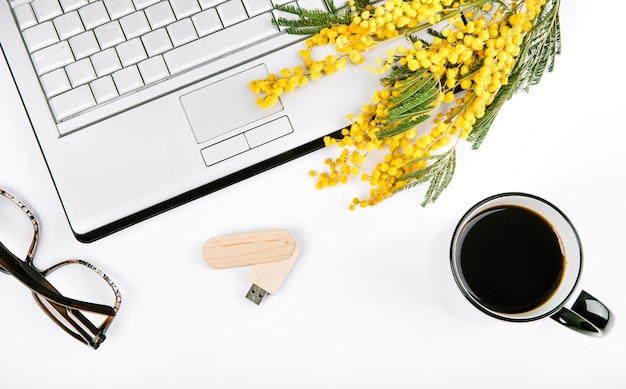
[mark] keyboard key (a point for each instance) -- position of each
(206, 4)
(17, 3)
(141, 4)
(256, 7)
(106, 62)
(80, 72)
(182, 32)
(207, 22)
(68, 25)
(104, 89)
(127, 79)
(84, 44)
(131, 52)
(40, 36)
(72, 102)
(135, 24)
(109, 35)
(71, 5)
(55, 82)
(156, 42)
(52, 57)
(25, 16)
(219, 43)
(118, 8)
(160, 15)
(153, 69)
(46, 9)
(232, 12)
(93, 15)
(184, 8)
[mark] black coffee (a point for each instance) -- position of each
(511, 259)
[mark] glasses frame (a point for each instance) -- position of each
(64, 311)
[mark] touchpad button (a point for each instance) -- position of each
(225, 105)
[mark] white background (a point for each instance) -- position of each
(370, 302)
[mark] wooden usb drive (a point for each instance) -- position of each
(272, 254)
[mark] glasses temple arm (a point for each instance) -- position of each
(33, 279)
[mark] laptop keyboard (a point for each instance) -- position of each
(90, 52)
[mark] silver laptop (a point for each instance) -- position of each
(141, 105)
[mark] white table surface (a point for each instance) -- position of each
(370, 302)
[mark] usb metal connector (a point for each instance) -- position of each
(256, 294)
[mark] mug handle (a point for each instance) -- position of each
(588, 316)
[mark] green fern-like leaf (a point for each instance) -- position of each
(401, 126)
(544, 44)
(438, 174)
(413, 103)
(421, 101)
(309, 21)
(312, 21)
(396, 74)
(407, 86)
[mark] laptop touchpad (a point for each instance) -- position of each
(225, 105)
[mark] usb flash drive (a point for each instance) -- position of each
(272, 254)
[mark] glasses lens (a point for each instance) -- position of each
(16, 225)
(81, 281)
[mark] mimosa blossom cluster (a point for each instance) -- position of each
(474, 48)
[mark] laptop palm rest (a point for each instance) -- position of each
(225, 105)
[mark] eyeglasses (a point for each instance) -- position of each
(74, 315)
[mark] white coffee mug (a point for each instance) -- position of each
(517, 257)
